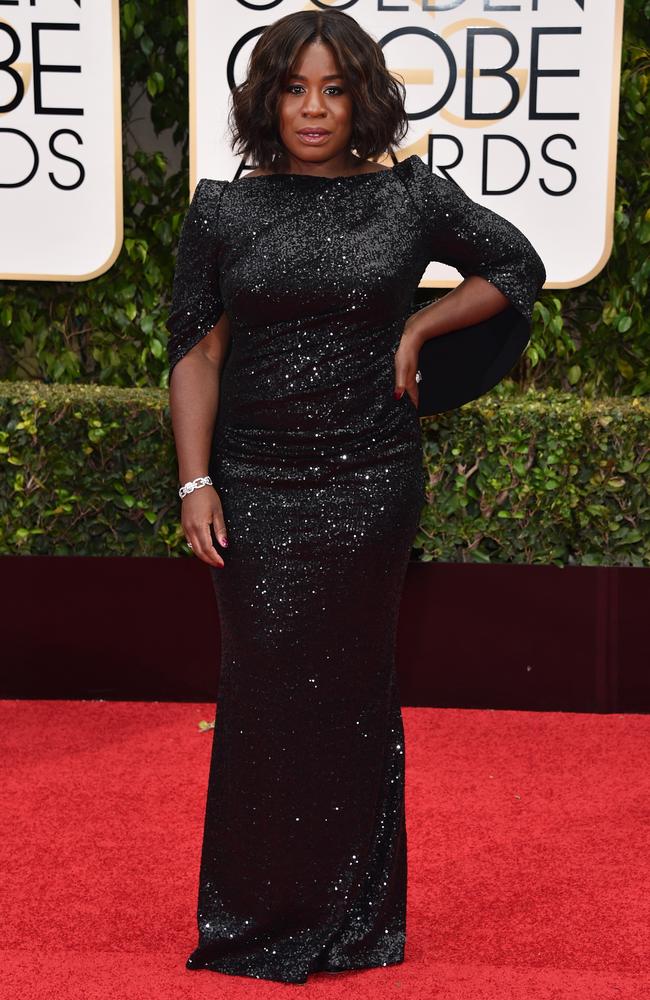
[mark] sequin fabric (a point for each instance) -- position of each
(319, 470)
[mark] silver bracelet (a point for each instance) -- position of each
(194, 484)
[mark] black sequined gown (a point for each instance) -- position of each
(320, 474)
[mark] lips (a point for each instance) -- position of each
(313, 137)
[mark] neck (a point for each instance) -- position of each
(346, 162)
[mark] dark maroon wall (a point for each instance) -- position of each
(470, 635)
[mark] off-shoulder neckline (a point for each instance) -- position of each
(339, 177)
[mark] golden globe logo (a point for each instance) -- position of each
(60, 138)
(516, 101)
(28, 81)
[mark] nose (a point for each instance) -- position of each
(313, 103)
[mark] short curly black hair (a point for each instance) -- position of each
(379, 117)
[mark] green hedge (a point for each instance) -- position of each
(593, 340)
(535, 477)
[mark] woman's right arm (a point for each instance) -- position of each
(194, 403)
(199, 337)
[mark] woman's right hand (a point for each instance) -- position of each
(199, 510)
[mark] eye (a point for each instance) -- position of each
(296, 86)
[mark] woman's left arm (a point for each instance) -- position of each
(499, 265)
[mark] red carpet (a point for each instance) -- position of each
(528, 836)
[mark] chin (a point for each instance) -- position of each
(325, 151)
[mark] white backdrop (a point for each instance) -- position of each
(555, 147)
(60, 171)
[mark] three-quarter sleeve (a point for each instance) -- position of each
(465, 363)
(196, 303)
(476, 240)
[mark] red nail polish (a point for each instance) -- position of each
(397, 394)
(224, 542)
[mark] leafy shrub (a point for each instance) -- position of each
(538, 477)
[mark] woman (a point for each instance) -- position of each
(293, 386)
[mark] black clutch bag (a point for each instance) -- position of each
(464, 364)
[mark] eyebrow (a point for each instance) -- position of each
(332, 76)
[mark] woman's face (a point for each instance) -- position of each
(316, 98)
